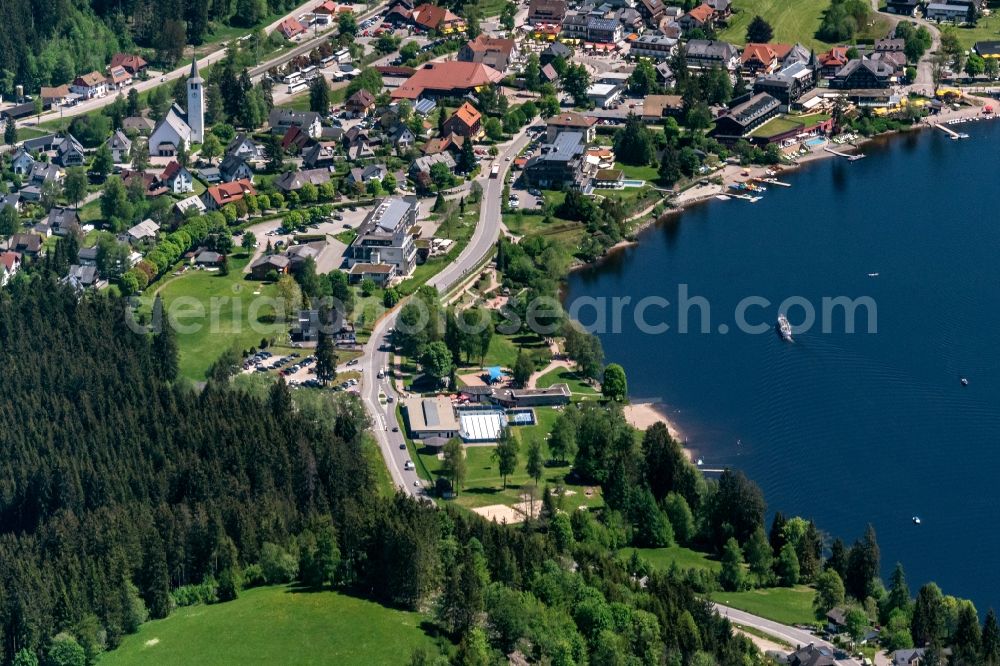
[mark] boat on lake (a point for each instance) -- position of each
(916, 520)
(784, 328)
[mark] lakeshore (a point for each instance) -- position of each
(732, 174)
(864, 409)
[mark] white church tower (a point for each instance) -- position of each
(196, 104)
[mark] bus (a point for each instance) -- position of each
(495, 171)
(327, 61)
(297, 87)
(292, 78)
(309, 72)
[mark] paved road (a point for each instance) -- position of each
(374, 359)
(305, 47)
(791, 635)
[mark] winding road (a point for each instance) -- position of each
(376, 392)
(791, 635)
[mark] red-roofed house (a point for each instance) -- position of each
(10, 262)
(177, 179)
(763, 58)
(450, 78)
(219, 195)
(132, 63)
(466, 122)
(328, 8)
(118, 78)
(90, 85)
(701, 16)
(291, 28)
(432, 17)
(832, 61)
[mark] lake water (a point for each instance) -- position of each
(843, 428)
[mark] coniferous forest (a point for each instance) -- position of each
(49, 42)
(124, 492)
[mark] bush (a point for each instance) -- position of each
(205, 592)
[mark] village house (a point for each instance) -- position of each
(21, 162)
(133, 64)
(363, 175)
(360, 103)
(281, 120)
(465, 122)
(702, 16)
(120, 146)
(118, 78)
(63, 221)
(431, 17)
(90, 85)
(177, 179)
(788, 84)
(139, 124)
(292, 181)
(10, 264)
(553, 51)
(69, 153)
(144, 231)
(496, 52)
(81, 277)
(937, 11)
(56, 96)
(320, 154)
(546, 11)
(218, 196)
(812, 655)
(244, 147)
(702, 54)
(422, 165)
(87, 256)
(265, 265)
(29, 245)
(833, 61)
(571, 121)
(193, 203)
(233, 168)
(290, 28)
(652, 11)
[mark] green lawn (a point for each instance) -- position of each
(564, 376)
(483, 485)
(792, 21)
(647, 173)
(786, 123)
(489, 7)
(663, 558)
(224, 305)
(273, 625)
(788, 605)
(987, 29)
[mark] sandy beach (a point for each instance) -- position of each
(642, 415)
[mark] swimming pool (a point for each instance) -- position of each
(818, 141)
(633, 183)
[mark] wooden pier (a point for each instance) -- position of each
(950, 132)
(848, 156)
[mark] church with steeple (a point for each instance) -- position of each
(181, 127)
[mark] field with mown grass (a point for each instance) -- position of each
(664, 558)
(788, 605)
(792, 21)
(274, 625)
(224, 303)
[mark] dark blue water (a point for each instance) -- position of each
(844, 428)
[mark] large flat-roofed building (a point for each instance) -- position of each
(431, 417)
(384, 237)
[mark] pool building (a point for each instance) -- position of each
(433, 421)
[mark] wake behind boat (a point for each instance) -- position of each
(784, 328)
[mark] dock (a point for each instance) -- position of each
(950, 132)
(774, 181)
(850, 158)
